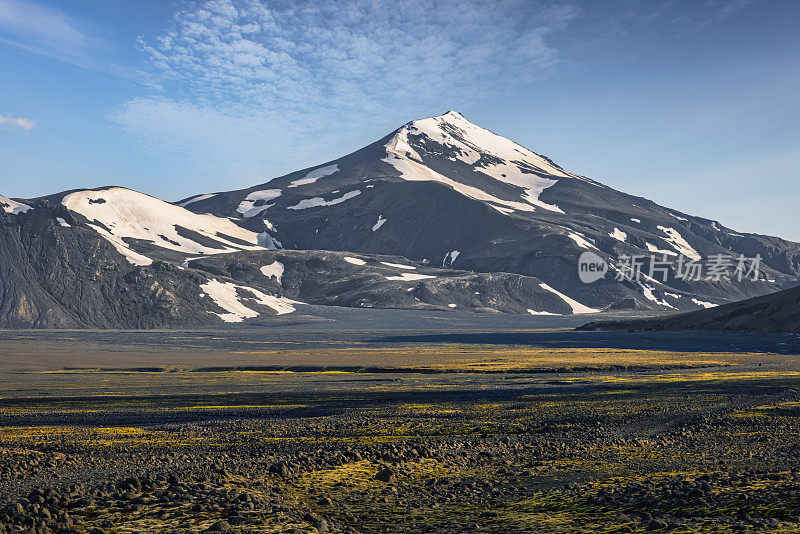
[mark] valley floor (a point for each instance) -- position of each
(340, 430)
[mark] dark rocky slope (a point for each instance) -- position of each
(52, 276)
(776, 312)
(356, 280)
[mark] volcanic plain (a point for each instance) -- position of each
(464, 423)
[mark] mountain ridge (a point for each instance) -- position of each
(771, 313)
(469, 210)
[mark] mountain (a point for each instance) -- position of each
(445, 191)
(60, 270)
(116, 258)
(439, 214)
(776, 312)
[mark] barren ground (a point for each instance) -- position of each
(275, 430)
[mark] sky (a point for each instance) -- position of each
(692, 104)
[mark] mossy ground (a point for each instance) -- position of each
(646, 445)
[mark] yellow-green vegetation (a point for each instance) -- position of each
(444, 438)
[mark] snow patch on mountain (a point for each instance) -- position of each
(652, 248)
(399, 265)
(451, 256)
(408, 163)
(406, 277)
(267, 241)
(378, 224)
(647, 291)
(677, 241)
(618, 234)
(534, 185)
(226, 296)
(533, 312)
(354, 261)
(705, 304)
(197, 198)
(577, 307)
(315, 175)
(472, 141)
(273, 269)
(319, 201)
(118, 214)
(581, 240)
(61, 222)
(504, 211)
(508, 162)
(12, 206)
(132, 256)
(248, 206)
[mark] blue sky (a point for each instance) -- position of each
(694, 104)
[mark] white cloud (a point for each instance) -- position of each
(360, 50)
(51, 33)
(8, 120)
(267, 75)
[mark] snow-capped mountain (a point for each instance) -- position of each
(113, 258)
(116, 258)
(448, 192)
(122, 216)
(440, 214)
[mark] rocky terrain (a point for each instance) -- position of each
(439, 214)
(375, 281)
(64, 275)
(707, 447)
(776, 312)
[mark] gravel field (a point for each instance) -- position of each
(318, 427)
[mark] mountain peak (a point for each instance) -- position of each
(453, 114)
(449, 117)
(494, 162)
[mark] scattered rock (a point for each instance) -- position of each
(386, 474)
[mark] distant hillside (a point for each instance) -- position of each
(776, 312)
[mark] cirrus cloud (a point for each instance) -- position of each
(264, 76)
(47, 32)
